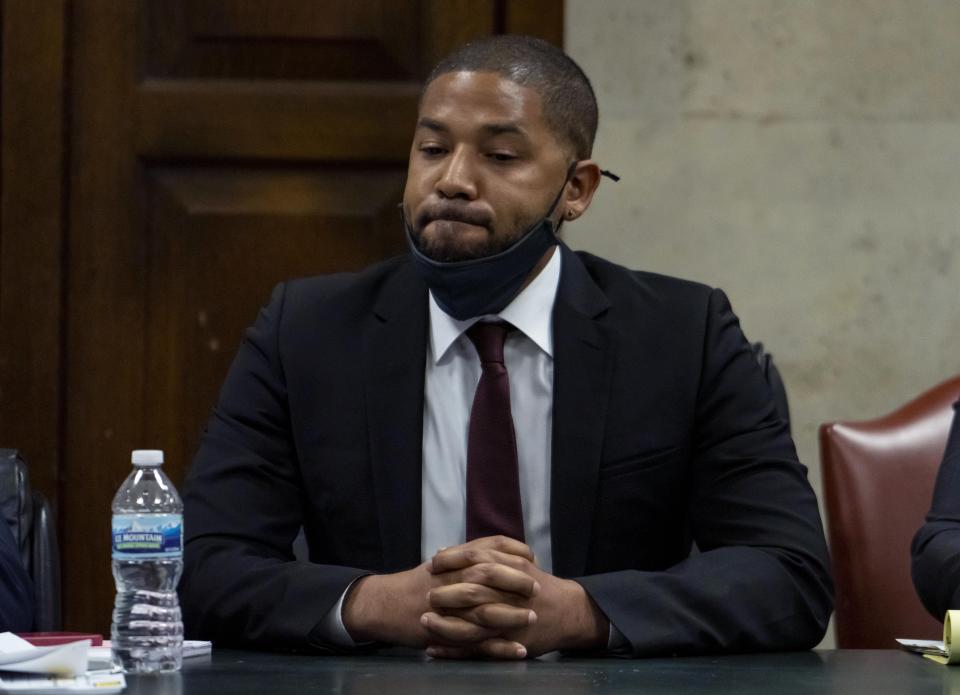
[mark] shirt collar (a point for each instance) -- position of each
(531, 312)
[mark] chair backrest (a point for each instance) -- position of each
(878, 478)
(28, 514)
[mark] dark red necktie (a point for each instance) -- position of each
(493, 479)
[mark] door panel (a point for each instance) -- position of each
(274, 120)
(32, 199)
(201, 152)
(283, 39)
(220, 240)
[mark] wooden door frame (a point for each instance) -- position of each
(33, 194)
(53, 108)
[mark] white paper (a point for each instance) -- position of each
(945, 652)
(193, 647)
(9, 642)
(99, 658)
(46, 685)
(924, 646)
(59, 660)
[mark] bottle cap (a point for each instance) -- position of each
(147, 457)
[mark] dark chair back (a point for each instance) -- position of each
(28, 514)
(878, 478)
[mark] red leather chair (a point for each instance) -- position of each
(878, 478)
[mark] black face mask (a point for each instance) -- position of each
(480, 286)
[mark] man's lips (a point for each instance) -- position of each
(450, 215)
(454, 220)
(454, 227)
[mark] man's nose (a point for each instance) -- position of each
(458, 178)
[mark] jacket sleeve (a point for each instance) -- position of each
(936, 547)
(761, 580)
(241, 584)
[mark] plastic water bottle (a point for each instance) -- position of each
(147, 631)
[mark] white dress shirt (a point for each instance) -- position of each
(452, 374)
(451, 378)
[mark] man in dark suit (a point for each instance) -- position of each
(369, 409)
(936, 546)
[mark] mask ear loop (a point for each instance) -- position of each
(570, 170)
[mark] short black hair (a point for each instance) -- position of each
(569, 104)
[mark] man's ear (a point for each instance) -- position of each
(580, 189)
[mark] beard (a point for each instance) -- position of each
(446, 245)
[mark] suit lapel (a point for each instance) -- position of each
(394, 348)
(583, 362)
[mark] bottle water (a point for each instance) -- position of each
(147, 631)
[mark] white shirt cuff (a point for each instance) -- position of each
(332, 630)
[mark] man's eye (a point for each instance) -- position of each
(431, 150)
(502, 156)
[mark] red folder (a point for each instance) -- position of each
(49, 639)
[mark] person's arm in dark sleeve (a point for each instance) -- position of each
(762, 579)
(16, 587)
(241, 584)
(935, 550)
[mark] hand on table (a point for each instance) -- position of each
(392, 607)
(472, 614)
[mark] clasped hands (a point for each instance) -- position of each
(485, 598)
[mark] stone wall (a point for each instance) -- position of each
(804, 155)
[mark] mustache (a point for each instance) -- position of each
(453, 212)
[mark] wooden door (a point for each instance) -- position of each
(212, 149)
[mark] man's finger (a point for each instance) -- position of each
(496, 616)
(438, 652)
(503, 544)
(497, 576)
(454, 629)
(494, 576)
(494, 648)
(467, 595)
(463, 556)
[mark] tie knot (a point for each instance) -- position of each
(488, 338)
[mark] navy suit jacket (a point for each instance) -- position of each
(664, 433)
(936, 546)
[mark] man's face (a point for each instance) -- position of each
(483, 168)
